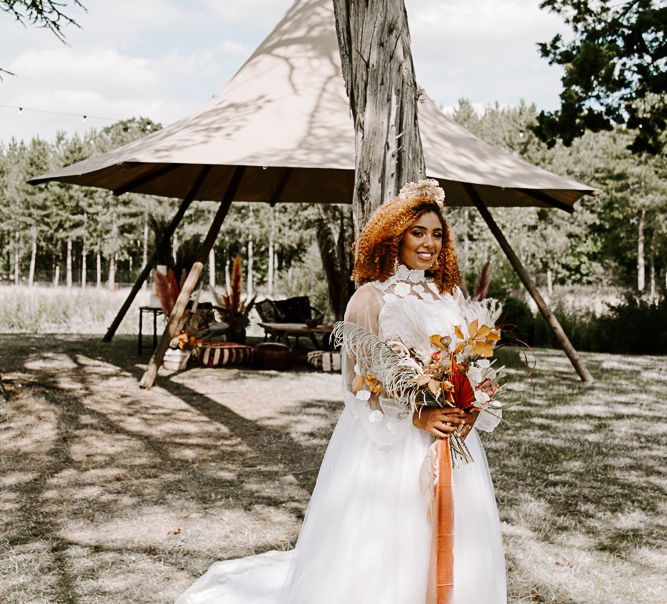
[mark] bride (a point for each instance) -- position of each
(366, 537)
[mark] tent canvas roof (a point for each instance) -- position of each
(285, 115)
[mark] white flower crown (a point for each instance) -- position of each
(424, 188)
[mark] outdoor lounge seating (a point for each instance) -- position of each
(291, 317)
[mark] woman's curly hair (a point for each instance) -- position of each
(377, 248)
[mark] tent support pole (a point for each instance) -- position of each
(552, 321)
(176, 318)
(143, 275)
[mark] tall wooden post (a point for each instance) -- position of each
(374, 43)
(552, 321)
(143, 275)
(176, 319)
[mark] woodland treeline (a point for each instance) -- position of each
(77, 236)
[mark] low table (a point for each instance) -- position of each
(281, 331)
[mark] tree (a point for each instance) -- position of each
(43, 13)
(376, 59)
(614, 71)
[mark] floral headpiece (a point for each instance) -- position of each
(424, 188)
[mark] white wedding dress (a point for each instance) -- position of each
(366, 538)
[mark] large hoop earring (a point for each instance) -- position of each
(435, 266)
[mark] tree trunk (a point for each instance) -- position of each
(56, 275)
(272, 237)
(211, 267)
(641, 267)
(17, 257)
(466, 238)
(112, 271)
(84, 252)
(251, 261)
(33, 255)
(84, 261)
(144, 258)
(99, 266)
(651, 260)
(334, 253)
(374, 43)
(227, 276)
(68, 264)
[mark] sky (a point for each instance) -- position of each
(163, 59)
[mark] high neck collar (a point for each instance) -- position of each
(403, 273)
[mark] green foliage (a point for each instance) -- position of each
(637, 326)
(614, 71)
(598, 243)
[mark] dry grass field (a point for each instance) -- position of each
(113, 494)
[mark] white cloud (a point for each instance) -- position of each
(95, 69)
(483, 50)
(164, 58)
(255, 12)
(233, 48)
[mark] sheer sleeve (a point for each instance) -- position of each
(384, 419)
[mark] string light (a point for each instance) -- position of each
(85, 116)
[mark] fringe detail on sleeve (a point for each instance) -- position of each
(373, 357)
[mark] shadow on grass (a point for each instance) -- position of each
(210, 464)
(98, 450)
(581, 468)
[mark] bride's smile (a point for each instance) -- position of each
(422, 242)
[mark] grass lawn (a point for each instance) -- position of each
(114, 494)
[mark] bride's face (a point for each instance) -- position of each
(422, 242)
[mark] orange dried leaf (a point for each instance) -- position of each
(483, 349)
(458, 332)
(436, 340)
(482, 332)
(472, 328)
(494, 336)
(357, 383)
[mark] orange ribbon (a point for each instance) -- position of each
(441, 568)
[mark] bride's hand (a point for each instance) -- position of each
(441, 422)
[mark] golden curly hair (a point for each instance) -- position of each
(377, 248)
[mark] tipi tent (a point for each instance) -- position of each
(281, 131)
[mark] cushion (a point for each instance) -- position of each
(293, 310)
(273, 355)
(267, 311)
(224, 354)
(324, 360)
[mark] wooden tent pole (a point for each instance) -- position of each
(552, 321)
(176, 318)
(143, 275)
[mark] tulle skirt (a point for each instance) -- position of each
(366, 537)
